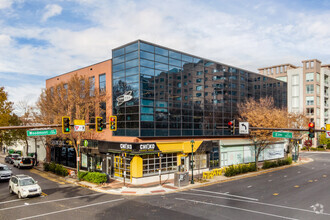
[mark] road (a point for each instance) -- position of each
(297, 192)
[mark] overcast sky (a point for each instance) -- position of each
(40, 39)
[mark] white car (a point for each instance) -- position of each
(23, 162)
(5, 172)
(24, 186)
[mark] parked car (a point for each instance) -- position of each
(11, 157)
(23, 162)
(24, 186)
(5, 172)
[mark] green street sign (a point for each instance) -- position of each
(85, 143)
(282, 134)
(41, 132)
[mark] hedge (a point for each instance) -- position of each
(93, 177)
(56, 168)
(240, 168)
(277, 163)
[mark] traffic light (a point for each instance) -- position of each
(311, 129)
(231, 126)
(100, 125)
(66, 125)
(113, 123)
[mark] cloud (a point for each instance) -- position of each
(6, 4)
(51, 11)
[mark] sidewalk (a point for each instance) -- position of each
(117, 186)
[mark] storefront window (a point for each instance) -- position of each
(151, 164)
(200, 161)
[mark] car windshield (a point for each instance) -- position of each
(26, 182)
(4, 168)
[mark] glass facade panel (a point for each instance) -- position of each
(176, 94)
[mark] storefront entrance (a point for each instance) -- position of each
(109, 170)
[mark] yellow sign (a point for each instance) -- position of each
(327, 127)
(79, 122)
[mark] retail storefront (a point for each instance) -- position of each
(145, 162)
(243, 151)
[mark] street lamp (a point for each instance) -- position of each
(192, 161)
(255, 151)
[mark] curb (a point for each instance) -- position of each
(167, 189)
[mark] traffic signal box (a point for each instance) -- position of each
(113, 123)
(100, 125)
(311, 129)
(66, 125)
(231, 126)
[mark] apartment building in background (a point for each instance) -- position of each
(308, 88)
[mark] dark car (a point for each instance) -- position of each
(11, 157)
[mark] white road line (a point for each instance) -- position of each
(241, 209)
(43, 202)
(260, 203)
(227, 194)
(15, 200)
(70, 209)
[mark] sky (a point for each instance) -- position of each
(40, 39)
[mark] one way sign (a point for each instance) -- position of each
(244, 128)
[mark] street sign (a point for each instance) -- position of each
(41, 132)
(85, 143)
(79, 122)
(282, 134)
(327, 134)
(244, 128)
(327, 127)
(79, 128)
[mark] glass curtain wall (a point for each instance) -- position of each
(176, 94)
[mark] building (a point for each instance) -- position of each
(308, 88)
(164, 99)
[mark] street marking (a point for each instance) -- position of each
(44, 194)
(285, 176)
(275, 194)
(227, 194)
(15, 200)
(26, 203)
(249, 186)
(70, 209)
(43, 202)
(315, 180)
(270, 180)
(232, 207)
(298, 171)
(324, 175)
(249, 201)
(310, 181)
(296, 186)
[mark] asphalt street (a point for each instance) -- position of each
(297, 192)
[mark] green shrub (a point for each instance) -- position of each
(46, 166)
(81, 175)
(279, 162)
(313, 149)
(52, 167)
(60, 170)
(303, 148)
(238, 169)
(95, 177)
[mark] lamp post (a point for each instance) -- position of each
(192, 161)
(255, 152)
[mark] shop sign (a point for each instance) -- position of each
(147, 147)
(126, 147)
(127, 96)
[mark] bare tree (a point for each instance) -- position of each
(76, 98)
(262, 113)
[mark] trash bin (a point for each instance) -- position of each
(181, 179)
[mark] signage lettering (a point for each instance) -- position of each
(125, 146)
(147, 147)
(127, 96)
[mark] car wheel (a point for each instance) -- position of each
(19, 166)
(19, 195)
(10, 190)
